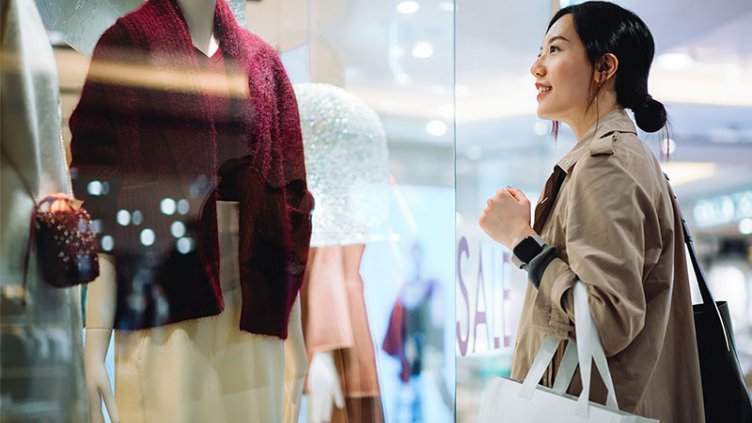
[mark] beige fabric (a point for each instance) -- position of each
(208, 370)
(614, 228)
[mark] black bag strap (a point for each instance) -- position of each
(707, 297)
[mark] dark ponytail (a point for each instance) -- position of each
(650, 114)
(604, 28)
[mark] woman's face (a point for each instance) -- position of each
(563, 74)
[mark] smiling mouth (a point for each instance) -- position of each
(543, 89)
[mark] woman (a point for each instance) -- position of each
(605, 218)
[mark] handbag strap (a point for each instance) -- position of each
(707, 297)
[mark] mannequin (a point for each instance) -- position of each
(347, 158)
(153, 344)
(41, 365)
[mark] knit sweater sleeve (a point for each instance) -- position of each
(289, 140)
(96, 153)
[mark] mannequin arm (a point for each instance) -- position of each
(323, 388)
(296, 364)
(100, 316)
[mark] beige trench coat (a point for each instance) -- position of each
(614, 228)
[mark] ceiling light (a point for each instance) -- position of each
(674, 61)
(436, 128)
(422, 50)
(668, 146)
(407, 7)
(540, 128)
(745, 226)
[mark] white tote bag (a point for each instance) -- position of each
(506, 400)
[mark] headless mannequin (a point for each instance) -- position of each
(101, 298)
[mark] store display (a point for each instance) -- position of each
(41, 367)
(347, 163)
(415, 337)
(197, 286)
(150, 151)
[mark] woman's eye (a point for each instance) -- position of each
(553, 49)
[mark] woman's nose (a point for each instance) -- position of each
(537, 68)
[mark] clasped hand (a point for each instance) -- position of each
(506, 218)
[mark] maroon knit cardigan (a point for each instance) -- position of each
(143, 132)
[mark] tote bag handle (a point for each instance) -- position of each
(584, 352)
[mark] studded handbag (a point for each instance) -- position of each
(65, 241)
(66, 244)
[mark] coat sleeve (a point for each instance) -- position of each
(606, 218)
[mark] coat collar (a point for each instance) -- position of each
(614, 121)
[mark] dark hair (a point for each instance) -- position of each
(604, 28)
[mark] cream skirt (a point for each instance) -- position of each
(208, 370)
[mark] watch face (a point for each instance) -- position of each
(527, 249)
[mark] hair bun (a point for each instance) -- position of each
(650, 115)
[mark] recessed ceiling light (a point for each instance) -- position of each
(436, 128)
(422, 50)
(668, 146)
(745, 226)
(675, 61)
(540, 128)
(407, 7)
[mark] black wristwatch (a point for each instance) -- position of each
(527, 249)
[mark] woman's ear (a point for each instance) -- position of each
(606, 68)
